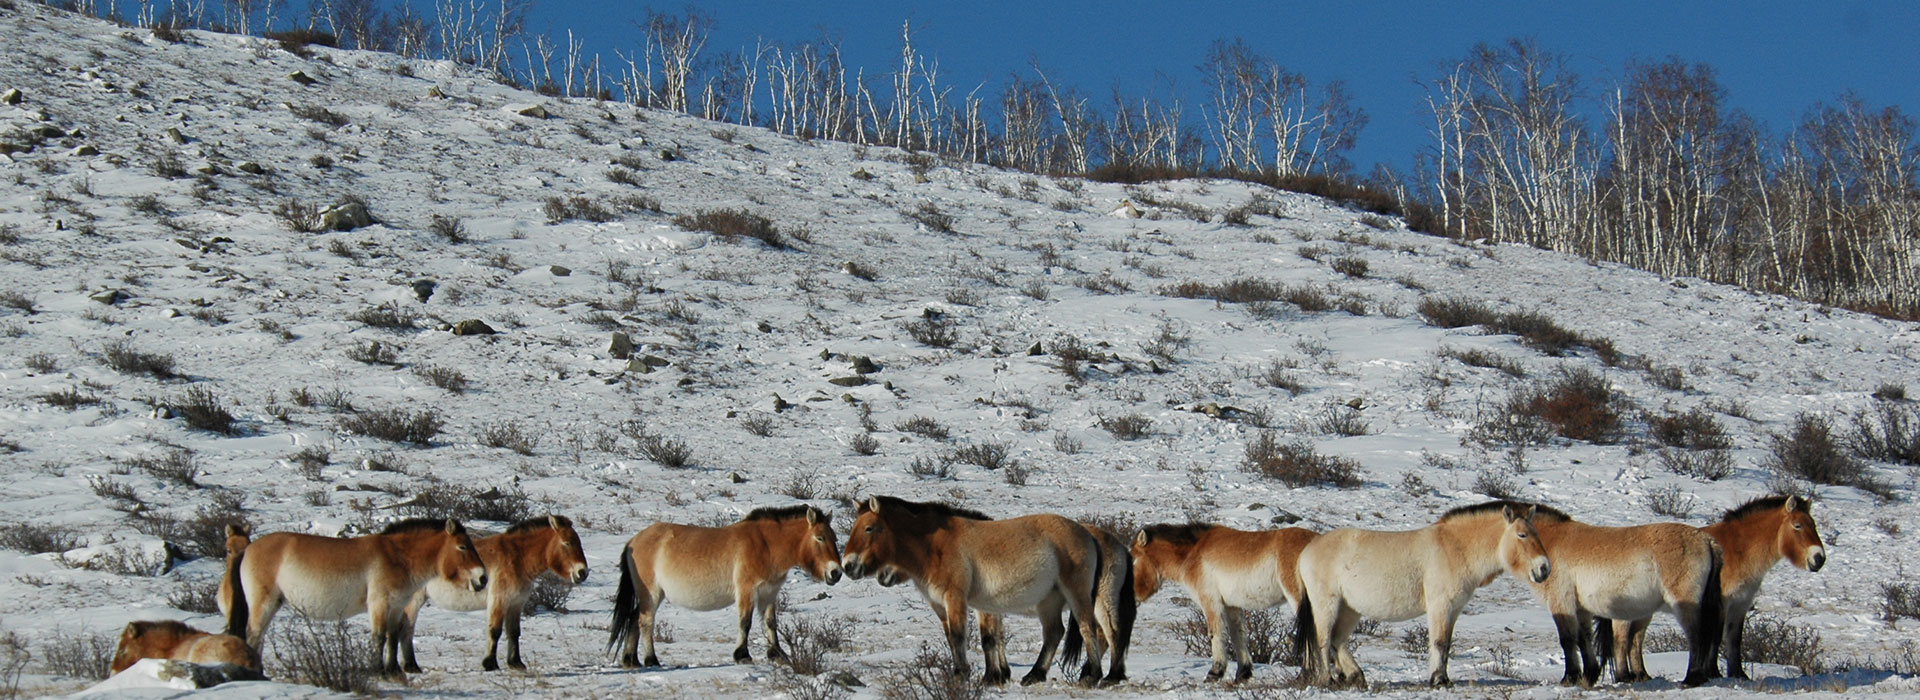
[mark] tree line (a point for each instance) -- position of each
(1654, 170)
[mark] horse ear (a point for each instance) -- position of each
(1141, 538)
(872, 505)
(1507, 512)
(1797, 503)
(553, 521)
(813, 516)
(236, 531)
(453, 527)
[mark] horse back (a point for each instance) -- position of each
(324, 577)
(691, 565)
(1381, 574)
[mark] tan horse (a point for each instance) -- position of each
(1628, 573)
(708, 568)
(1752, 538)
(170, 639)
(334, 578)
(515, 560)
(1228, 573)
(1394, 576)
(959, 559)
(1114, 608)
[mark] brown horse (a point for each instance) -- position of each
(1394, 576)
(170, 639)
(1114, 608)
(515, 560)
(1033, 565)
(1228, 573)
(707, 568)
(334, 578)
(1629, 573)
(1752, 538)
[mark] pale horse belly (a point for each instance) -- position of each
(696, 591)
(1383, 588)
(1625, 594)
(1256, 588)
(1017, 592)
(450, 596)
(321, 594)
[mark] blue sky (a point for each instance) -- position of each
(1775, 59)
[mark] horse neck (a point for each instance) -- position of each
(513, 548)
(1749, 543)
(415, 547)
(783, 539)
(1475, 542)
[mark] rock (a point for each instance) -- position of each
(864, 365)
(13, 97)
(174, 135)
(765, 327)
(1256, 506)
(49, 131)
(111, 297)
(251, 168)
(533, 111)
(621, 347)
(1285, 518)
(780, 404)
(1034, 350)
(645, 364)
(170, 313)
(845, 679)
(472, 326)
(559, 271)
(86, 150)
(435, 93)
(667, 154)
(855, 380)
(862, 174)
(301, 77)
(346, 216)
(423, 289)
(735, 477)
(1126, 210)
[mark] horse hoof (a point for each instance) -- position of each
(1216, 674)
(629, 662)
(411, 668)
(1032, 678)
(1694, 680)
(489, 664)
(653, 661)
(1113, 678)
(740, 656)
(516, 665)
(1244, 674)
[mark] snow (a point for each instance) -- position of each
(741, 323)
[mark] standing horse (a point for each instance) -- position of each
(1114, 608)
(706, 568)
(1394, 576)
(1228, 573)
(1629, 573)
(170, 639)
(515, 560)
(1033, 565)
(333, 578)
(1752, 538)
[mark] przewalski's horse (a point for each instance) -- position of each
(708, 568)
(1114, 607)
(1752, 538)
(1033, 565)
(170, 639)
(1629, 573)
(1228, 573)
(515, 560)
(1392, 576)
(238, 537)
(334, 578)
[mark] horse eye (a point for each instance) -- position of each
(819, 539)
(1796, 526)
(872, 528)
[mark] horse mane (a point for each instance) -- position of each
(1178, 534)
(928, 509)
(412, 525)
(537, 523)
(1495, 506)
(1755, 507)
(785, 513)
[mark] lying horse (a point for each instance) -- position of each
(515, 560)
(1394, 576)
(1629, 573)
(170, 639)
(706, 568)
(1752, 538)
(334, 578)
(1228, 573)
(1033, 565)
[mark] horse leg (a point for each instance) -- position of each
(496, 617)
(1583, 624)
(1567, 625)
(1083, 612)
(953, 619)
(1323, 610)
(1637, 636)
(1237, 627)
(774, 652)
(993, 649)
(649, 602)
(408, 620)
(1735, 636)
(1690, 614)
(744, 605)
(1216, 632)
(1439, 644)
(1051, 632)
(1344, 624)
(386, 636)
(259, 615)
(513, 638)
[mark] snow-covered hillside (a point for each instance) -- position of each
(148, 222)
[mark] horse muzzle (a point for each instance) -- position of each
(579, 575)
(854, 568)
(478, 582)
(833, 576)
(1541, 570)
(1816, 560)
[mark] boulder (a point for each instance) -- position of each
(301, 77)
(86, 150)
(532, 111)
(111, 297)
(472, 326)
(855, 380)
(423, 289)
(13, 97)
(864, 365)
(620, 347)
(559, 271)
(174, 135)
(645, 364)
(250, 168)
(346, 216)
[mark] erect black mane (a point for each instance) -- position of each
(928, 509)
(412, 525)
(786, 513)
(1550, 512)
(538, 523)
(1755, 507)
(1178, 534)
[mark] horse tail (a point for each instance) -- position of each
(1303, 631)
(1603, 640)
(1129, 608)
(626, 603)
(1713, 612)
(237, 612)
(1070, 650)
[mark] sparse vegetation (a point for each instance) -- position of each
(331, 654)
(202, 409)
(665, 451)
(124, 358)
(929, 215)
(448, 228)
(509, 435)
(35, 538)
(1297, 464)
(1132, 426)
(924, 427)
(78, 654)
(176, 466)
(1809, 451)
(446, 378)
(1771, 640)
(1888, 432)
(732, 224)
(388, 316)
(937, 331)
(394, 424)
(986, 455)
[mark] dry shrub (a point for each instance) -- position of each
(34, 538)
(394, 425)
(196, 597)
(1809, 451)
(732, 224)
(928, 676)
(1132, 426)
(78, 655)
(665, 451)
(1269, 636)
(1454, 312)
(1771, 640)
(1297, 464)
(924, 427)
(1888, 432)
(1899, 599)
(444, 500)
(1694, 430)
(1579, 405)
(123, 358)
(938, 331)
(509, 435)
(200, 535)
(808, 639)
(333, 655)
(389, 316)
(202, 409)
(986, 455)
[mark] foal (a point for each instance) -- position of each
(170, 639)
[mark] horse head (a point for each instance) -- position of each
(869, 545)
(1798, 539)
(459, 562)
(1152, 559)
(565, 558)
(820, 550)
(1520, 545)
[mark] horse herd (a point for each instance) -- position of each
(1601, 584)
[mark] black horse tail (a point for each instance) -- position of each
(1129, 608)
(237, 612)
(1603, 640)
(626, 603)
(1713, 613)
(1070, 650)
(1303, 636)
